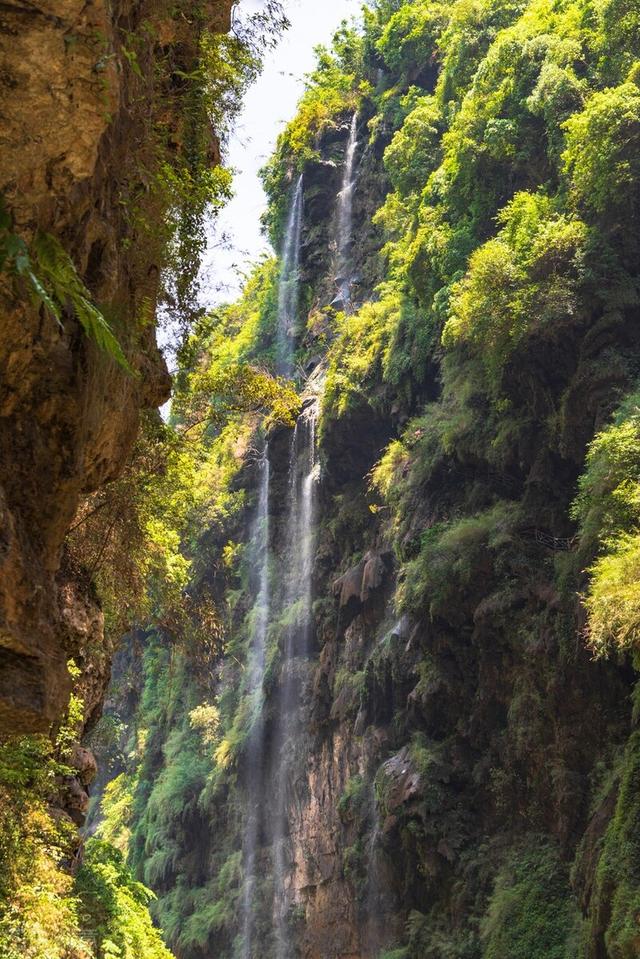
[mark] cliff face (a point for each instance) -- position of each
(80, 105)
(405, 747)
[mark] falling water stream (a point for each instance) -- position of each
(256, 665)
(274, 745)
(345, 216)
(300, 541)
(289, 282)
(286, 599)
(288, 596)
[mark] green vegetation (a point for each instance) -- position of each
(38, 913)
(619, 864)
(189, 735)
(45, 911)
(531, 912)
(353, 800)
(113, 907)
(503, 255)
(607, 508)
(466, 432)
(54, 282)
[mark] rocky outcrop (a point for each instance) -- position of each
(357, 589)
(79, 103)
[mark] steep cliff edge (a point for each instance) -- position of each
(410, 732)
(92, 104)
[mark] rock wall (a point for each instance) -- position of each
(79, 105)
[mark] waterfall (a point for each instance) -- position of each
(256, 666)
(345, 216)
(259, 537)
(372, 914)
(289, 282)
(270, 757)
(297, 608)
(302, 480)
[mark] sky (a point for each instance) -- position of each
(269, 105)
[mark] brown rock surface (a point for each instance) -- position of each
(72, 139)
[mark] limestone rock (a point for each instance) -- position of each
(402, 781)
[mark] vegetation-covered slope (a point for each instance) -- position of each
(448, 765)
(465, 780)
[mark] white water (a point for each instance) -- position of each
(345, 216)
(297, 602)
(302, 482)
(256, 666)
(269, 759)
(288, 285)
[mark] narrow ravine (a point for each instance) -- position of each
(334, 655)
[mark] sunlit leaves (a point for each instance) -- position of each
(602, 158)
(60, 275)
(608, 508)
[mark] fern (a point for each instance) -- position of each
(61, 277)
(14, 250)
(56, 284)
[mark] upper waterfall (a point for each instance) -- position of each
(289, 281)
(345, 217)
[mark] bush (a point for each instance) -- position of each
(451, 554)
(114, 907)
(531, 913)
(602, 158)
(607, 509)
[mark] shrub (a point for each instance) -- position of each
(607, 508)
(602, 158)
(531, 913)
(114, 907)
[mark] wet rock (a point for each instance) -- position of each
(359, 586)
(402, 782)
(76, 800)
(84, 762)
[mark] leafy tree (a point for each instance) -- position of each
(113, 907)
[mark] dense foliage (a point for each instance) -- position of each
(46, 911)
(479, 427)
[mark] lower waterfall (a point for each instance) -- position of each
(277, 726)
(296, 610)
(256, 666)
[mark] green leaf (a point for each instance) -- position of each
(61, 276)
(41, 294)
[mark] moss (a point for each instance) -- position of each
(352, 802)
(531, 912)
(354, 866)
(616, 901)
(450, 557)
